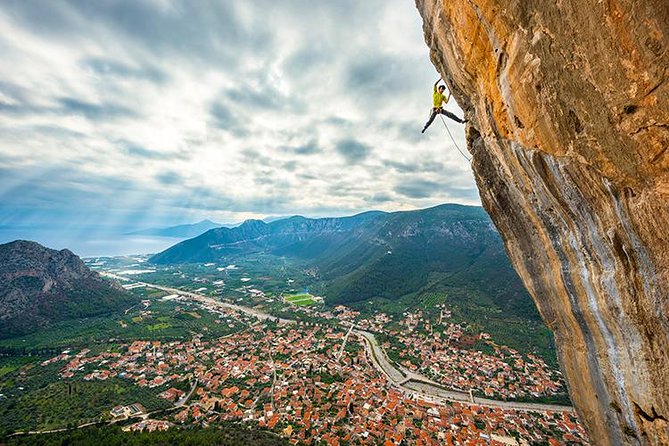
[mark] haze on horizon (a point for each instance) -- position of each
(136, 114)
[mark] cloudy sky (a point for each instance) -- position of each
(146, 113)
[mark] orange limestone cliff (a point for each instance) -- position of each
(568, 102)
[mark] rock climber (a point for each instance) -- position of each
(438, 97)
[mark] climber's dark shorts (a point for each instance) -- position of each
(439, 110)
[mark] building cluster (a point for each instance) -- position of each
(295, 380)
(129, 411)
(450, 355)
(300, 381)
(148, 425)
(453, 358)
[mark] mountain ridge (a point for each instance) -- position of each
(379, 255)
(184, 230)
(248, 235)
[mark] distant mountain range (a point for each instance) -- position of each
(181, 231)
(376, 255)
(40, 286)
(191, 230)
(293, 236)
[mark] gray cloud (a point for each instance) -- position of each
(138, 151)
(266, 97)
(353, 151)
(309, 148)
(338, 121)
(225, 119)
(112, 68)
(307, 60)
(50, 19)
(468, 193)
(18, 109)
(409, 131)
(254, 157)
(209, 199)
(95, 112)
(255, 98)
(290, 166)
(223, 116)
(381, 197)
(56, 193)
(192, 30)
(263, 181)
(141, 152)
(169, 178)
(62, 187)
(418, 188)
(378, 75)
(12, 91)
(58, 133)
(70, 106)
(121, 102)
(423, 166)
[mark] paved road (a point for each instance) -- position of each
(52, 431)
(206, 300)
(412, 383)
(184, 398)
(422, 387)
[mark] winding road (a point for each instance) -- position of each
(184, 398)
(419, 386)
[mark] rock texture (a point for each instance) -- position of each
(568, 102)
(39, 286)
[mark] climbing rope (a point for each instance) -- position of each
(453, 139)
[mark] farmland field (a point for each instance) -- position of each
(300, 299)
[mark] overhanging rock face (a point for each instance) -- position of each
(568, 102)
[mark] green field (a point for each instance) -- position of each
(300, 299)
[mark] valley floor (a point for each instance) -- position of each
(315, 374)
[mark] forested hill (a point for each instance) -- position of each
(39, 286)
(450, 249)
(326, 239)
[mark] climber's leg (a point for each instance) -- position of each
(429, 121)
(452, 116)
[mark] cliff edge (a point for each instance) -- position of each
(568, 103)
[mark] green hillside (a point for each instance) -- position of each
(394, 260)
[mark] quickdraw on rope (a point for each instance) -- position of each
(453, 139)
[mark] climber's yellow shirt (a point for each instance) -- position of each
(437, 98)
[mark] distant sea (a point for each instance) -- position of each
(91, 244)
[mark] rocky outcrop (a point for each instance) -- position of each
(568, 103)
(40, 286)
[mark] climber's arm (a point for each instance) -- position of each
(448, 97)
